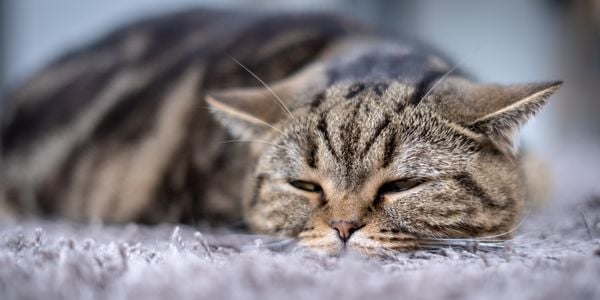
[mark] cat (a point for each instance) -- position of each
(310, 126)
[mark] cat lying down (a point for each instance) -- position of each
(308, 126)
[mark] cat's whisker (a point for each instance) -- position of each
(439, 81)
(471, 245)
(531, 243)
(562, 248)
(270, 126)
(281, 103)
(507, 232)
(482, 245)
(280, 245)
(456, 66)
(316, 240)
(458, 241)
(512, 243)
(255, 119)
(466, 240)
(521, 236)
(487, 238)
(257, 141)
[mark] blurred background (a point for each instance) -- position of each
(509, 41)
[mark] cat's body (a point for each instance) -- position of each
(73, 139)
(360, 133)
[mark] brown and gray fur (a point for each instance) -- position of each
(166, 121)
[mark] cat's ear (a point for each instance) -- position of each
(250, 112)
(508, 109)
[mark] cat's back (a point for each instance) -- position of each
(114, 128)
(271, 45)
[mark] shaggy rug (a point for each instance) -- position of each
(554, 255)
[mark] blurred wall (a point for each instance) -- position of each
(506, 41)
(3, 40)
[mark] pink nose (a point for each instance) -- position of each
(344, 229)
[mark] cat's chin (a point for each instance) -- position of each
(377, 251)
(339, 251)
(338, 248)
(331, 248)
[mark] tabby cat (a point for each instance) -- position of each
(305, 125)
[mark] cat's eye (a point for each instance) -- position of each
(306, 186)
(397, 186)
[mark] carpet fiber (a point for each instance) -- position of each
(555, 255)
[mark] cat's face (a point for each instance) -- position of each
(370, 172)
(358, 167)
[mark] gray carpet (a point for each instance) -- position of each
(555, 255)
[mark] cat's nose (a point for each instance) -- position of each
(344, 229)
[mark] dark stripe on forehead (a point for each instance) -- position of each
(466, 181)
(351, 133)
(390, 150)
(378, 130)
(311, 153)
(322, 128)
(424, 86)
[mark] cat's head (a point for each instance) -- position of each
(371, 166)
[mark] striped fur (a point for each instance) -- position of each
(103, 133)
(119, 131)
